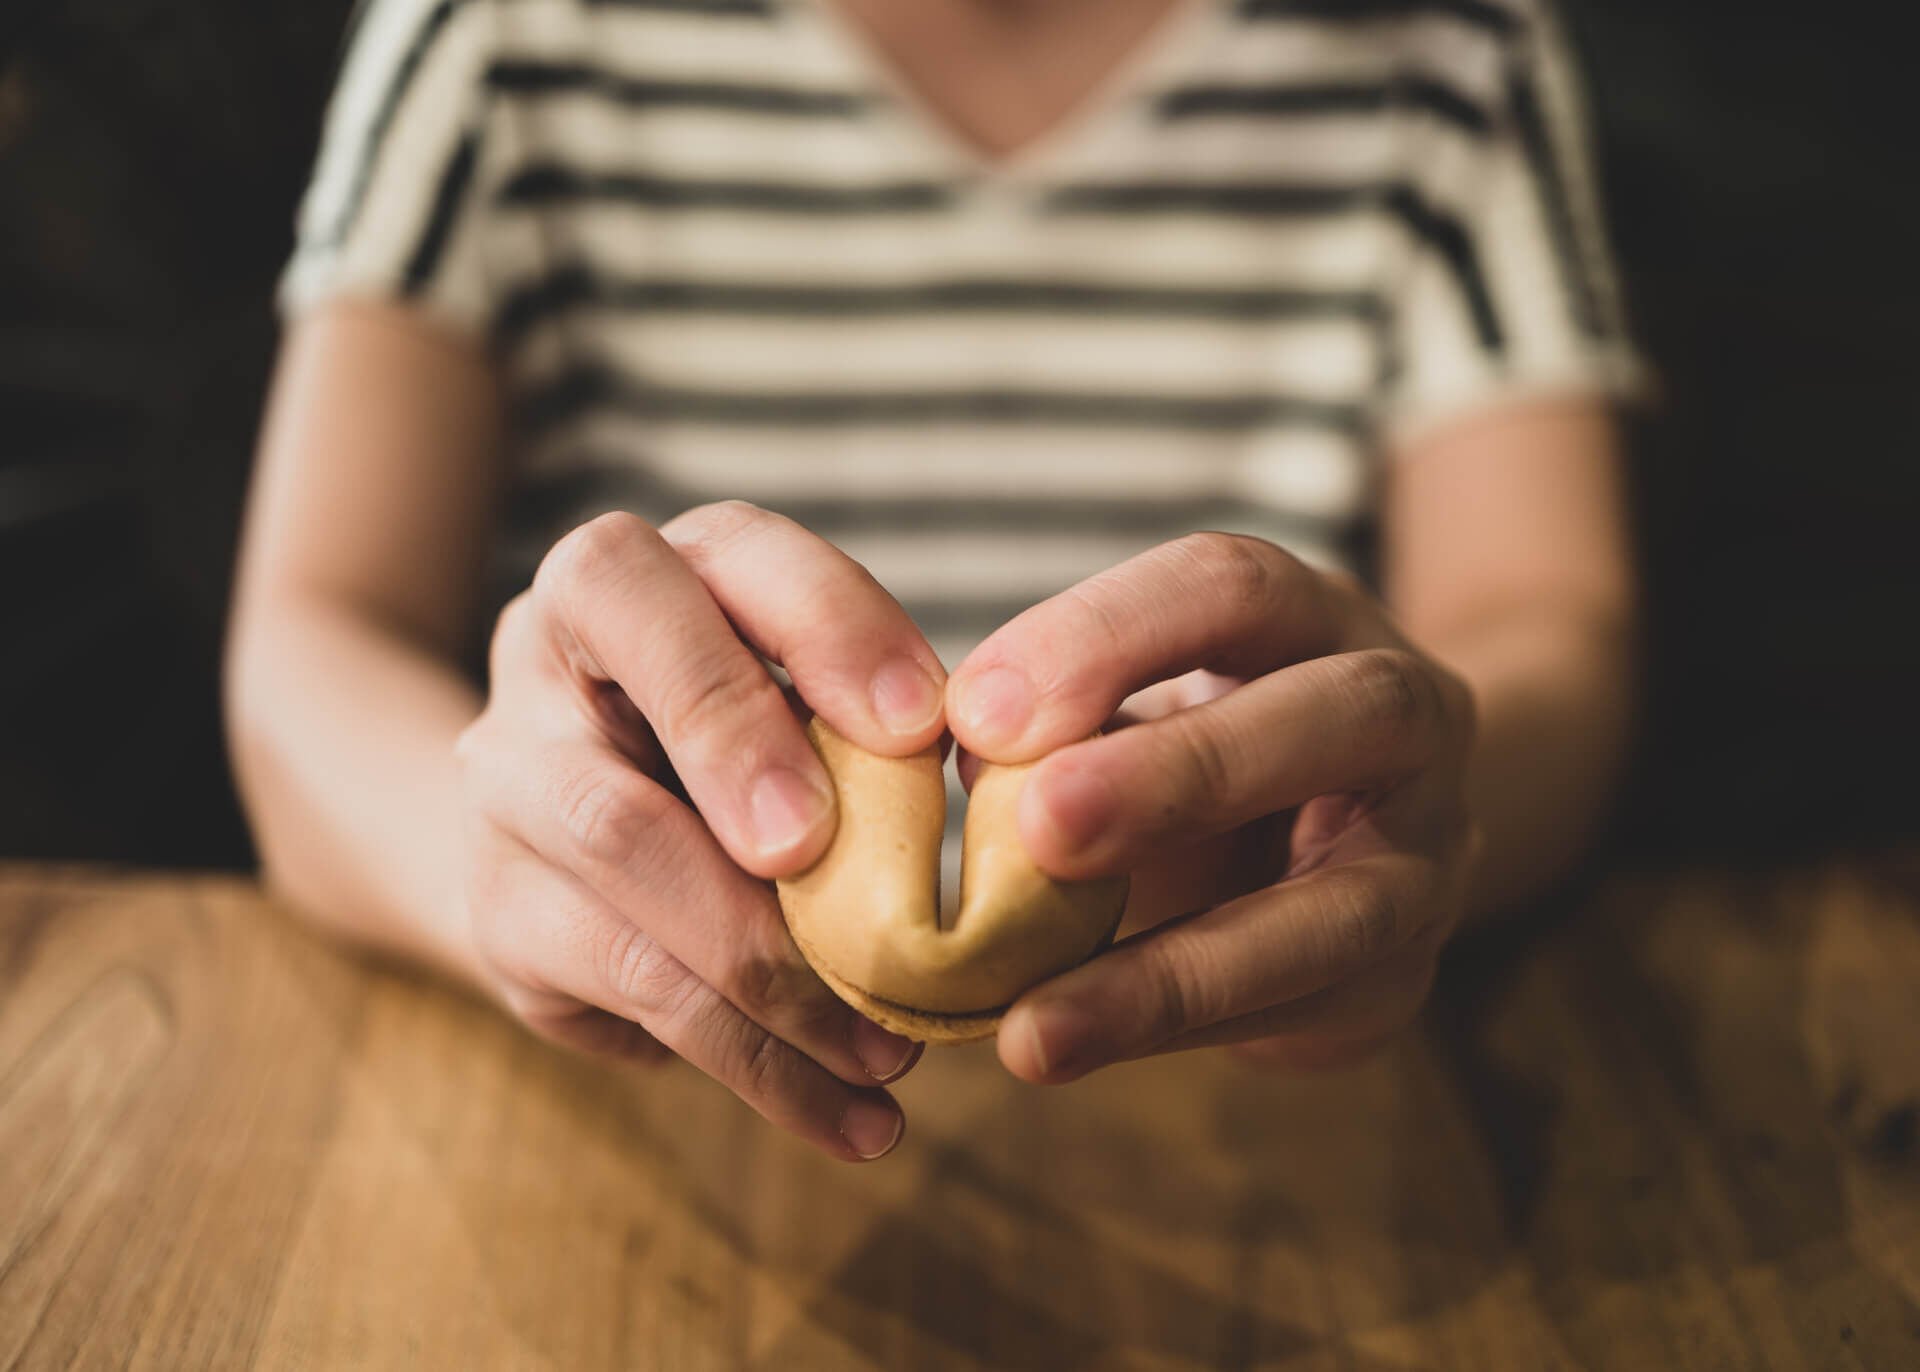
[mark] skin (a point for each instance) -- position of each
(1294, 777)
(868, 916)
(1001, 75)
(1305, 802)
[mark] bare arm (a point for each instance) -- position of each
(1333, 736)
(1508, 558)
(528, 842)
(358, 580)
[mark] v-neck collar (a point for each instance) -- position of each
(1107, 107)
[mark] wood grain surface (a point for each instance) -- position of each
(1672, 1126)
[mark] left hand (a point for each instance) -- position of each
(1306, 814)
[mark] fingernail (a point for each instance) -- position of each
(905, 698)
(1080, 805)
(786, 807)
(871, 1128)
(885, 1056)
(1061, 1036)
(996, 706)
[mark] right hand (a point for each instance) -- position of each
(613, 916)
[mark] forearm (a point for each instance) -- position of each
(1554, 694)
(1507, 558)
(342, 733)
(358, 574)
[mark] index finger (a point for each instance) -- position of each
(1183, 983)
(1230, 604)
(853, 653)
(619, 605)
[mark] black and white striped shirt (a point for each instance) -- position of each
(722, 251)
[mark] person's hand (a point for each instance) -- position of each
(612, 915)
(1316, 775)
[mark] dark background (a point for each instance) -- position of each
(1762, 188)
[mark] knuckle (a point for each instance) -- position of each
(1243, 571)
(1396, 689)
(514, 628)
(1362, 921)
(485, 769)
(469, 744)
(1209, 768)
(605, 816)
(1104, 614)
(557, 1018)
(582, 556)
(515, 617)
(498, 924)
(763, 984)
(525, 1003)
(1338, 581)
(1177, 1003)
(705, 529)
(763, 1064)
(643, 976)
(829, 600)
(736, 700)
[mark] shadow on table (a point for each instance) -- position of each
(1678, 1080)
(1651, 1092)
(1631, 1116)
(1056, 1321)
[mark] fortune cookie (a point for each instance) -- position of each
(866, 916)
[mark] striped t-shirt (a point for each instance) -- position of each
(719, 249)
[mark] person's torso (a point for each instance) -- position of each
(740, 260)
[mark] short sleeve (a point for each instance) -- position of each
(391, 211)
(1511, 291)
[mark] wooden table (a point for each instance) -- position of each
(1673, 1127)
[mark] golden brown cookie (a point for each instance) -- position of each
(866, 916)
